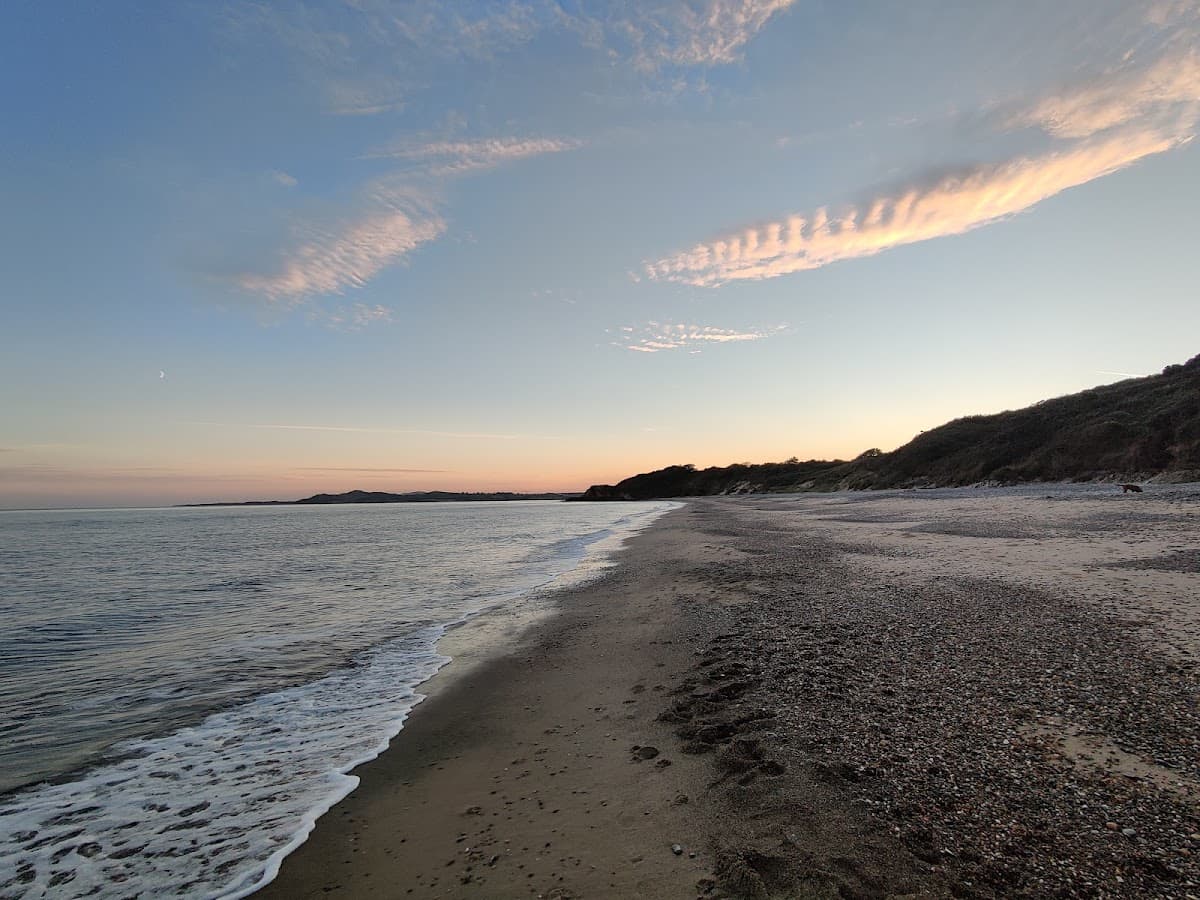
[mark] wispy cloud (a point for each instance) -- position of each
(1167, 89)
(396, 217)
(367, 96)
(1096, 128)
(441, 158)
(368, 56)
(394, 223)
(953, 203)
(356, 316)
(1167, 12)
(655, 337)
(371, 469)
(455, 31)
(353, 429)
(708, 33)
(283, 179)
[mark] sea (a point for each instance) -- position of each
(184, 691)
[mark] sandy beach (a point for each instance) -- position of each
(937, 693)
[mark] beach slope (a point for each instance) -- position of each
(948, 693)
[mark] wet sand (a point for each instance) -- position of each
(952, 693)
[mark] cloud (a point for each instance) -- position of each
(708, 33)
(460, 157)
(352, 429)
(655, 337)
(283, 179)
(36, 473)
(363, 469)
(453, 31)
(671, 35)
(364, 97)
(1168, 88)
(954, 203)
(350, 253)
(1112, 121)
(1166, 12)
(365, 57)
(356, 317)
(397, 217)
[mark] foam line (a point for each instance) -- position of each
(212, 810)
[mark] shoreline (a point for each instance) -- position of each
(214, 802)
(872, 695)
(510, 717)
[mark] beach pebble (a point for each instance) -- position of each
(1112, 826)
(646, 752)
(677, 850)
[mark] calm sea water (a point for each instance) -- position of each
(183, 690)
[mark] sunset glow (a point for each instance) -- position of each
(262, 250)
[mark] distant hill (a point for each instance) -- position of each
(384, 497)
(1134, 430)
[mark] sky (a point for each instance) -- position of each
(256, 250)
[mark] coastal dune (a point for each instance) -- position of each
(939, 693)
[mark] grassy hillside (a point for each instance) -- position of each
(1132, 430)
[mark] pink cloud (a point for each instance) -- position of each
(954, 204)
(1169, 87)
(350, 254)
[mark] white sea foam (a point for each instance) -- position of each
(211, 810)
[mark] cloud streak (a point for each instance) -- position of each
(671, 35)
(367, 56)
(352, 429)
(395, 220)
(356, 316)
(952, 204)
(361, 469)
(1095, 129)
(710, 33)
(656, 337)
(1169, 87)
(348, 255)
(444, 158)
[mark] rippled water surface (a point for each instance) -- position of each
(182, 690)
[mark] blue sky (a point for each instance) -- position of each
(260, 249)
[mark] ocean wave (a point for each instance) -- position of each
(212, 809)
